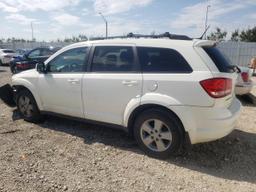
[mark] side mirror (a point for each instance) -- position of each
(41, 68)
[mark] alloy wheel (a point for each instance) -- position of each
(25, 106)
(156, 135)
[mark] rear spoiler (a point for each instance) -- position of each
(204, 43)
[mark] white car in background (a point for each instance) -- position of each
(244, 83)
(6, 56)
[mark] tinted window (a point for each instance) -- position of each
(35, 53)
(220, 60)
(72, 60)
(8, 51)
(45, 52)
(113, 59)
(162, 60)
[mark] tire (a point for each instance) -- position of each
(27, 107)
(1, 64)
(13, 69)
(158, 133)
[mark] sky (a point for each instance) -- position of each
(54, 19)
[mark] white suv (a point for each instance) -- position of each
(163, 91)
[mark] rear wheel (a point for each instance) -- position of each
(1, 63)
(158, 133)
(27, 107)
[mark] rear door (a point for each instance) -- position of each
(113, 82)
(166, 71)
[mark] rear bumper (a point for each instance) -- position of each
(209, 124)
(6, 60)
(244, 88)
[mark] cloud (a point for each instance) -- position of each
(66, 19)
(7, 8)
(19, 18)
(252, 16)
(85, 11)
(109, 7)
(34, 5)
(194, 16)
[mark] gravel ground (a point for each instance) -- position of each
(64, 155)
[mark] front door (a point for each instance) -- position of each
(60, 87)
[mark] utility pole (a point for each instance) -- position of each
(206, 19)
(32, 30)
(106, 22)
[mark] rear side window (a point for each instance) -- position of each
(162, 60)
(113, 59)
(221, 62)
(8, 51)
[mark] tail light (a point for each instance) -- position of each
(23, 66)
(217, 87)
(245, 76)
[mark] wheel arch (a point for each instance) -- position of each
(142, 108)
(20, 87)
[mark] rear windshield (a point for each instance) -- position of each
(221, 62)
(8, 51)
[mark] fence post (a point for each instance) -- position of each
(238, 53)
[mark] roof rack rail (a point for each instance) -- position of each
(132, 35)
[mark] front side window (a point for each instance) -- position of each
(45, 52)
(72, 60)
(113, 59)
(35, 53)
(162, 60)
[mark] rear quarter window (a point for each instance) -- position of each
(162, 60)
(8, 51)
(222, 63)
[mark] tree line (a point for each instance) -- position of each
(72, 39)
(247, 35)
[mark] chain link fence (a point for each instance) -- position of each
(31, 45)
(240, 53)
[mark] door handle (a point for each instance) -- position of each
(74, 81)
(130, 83)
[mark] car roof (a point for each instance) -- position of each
(147, 42)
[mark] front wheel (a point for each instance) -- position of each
(27, 107)
(14, 69)
(158, 133)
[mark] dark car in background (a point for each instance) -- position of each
(31, 58)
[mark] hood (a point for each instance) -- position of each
(24, 74)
